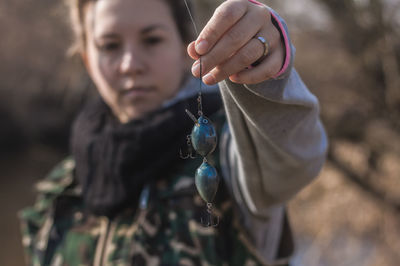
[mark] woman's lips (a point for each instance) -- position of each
(137, 92)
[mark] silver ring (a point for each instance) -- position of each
(264, 43)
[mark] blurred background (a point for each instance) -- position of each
(348, 53)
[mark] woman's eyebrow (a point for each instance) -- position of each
(153, 27)
(143, 31)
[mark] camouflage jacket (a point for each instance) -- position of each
(164, 230)
(56, 230)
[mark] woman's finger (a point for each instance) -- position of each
(267, 69)
(192, 51)
(224, 17)
(247, 55)
(234, 39)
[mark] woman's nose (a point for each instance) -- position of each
(131, 63)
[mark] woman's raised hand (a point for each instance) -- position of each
(228, 45)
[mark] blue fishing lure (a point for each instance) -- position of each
(204, 140)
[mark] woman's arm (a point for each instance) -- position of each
(277, 137)
(274, 143)
(277, 142)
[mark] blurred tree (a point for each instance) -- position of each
(370, 32)
(40, 88)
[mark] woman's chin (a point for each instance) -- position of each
(130, 114)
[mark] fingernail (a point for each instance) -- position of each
(209, 79)
(201, 47)
(196, 68)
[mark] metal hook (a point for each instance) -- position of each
(187, 156)
(190, 150)
(211, 220)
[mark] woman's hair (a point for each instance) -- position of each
(77, 16)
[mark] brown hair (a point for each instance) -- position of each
(77, 16)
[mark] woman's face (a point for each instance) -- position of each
(134, 54)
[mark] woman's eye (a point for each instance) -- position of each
(109, 47)
(152, 40)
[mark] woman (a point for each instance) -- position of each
(125, 197)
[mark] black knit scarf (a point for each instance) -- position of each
(114, 160)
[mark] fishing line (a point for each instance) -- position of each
(199, 98)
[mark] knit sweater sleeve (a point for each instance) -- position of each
(276, 142)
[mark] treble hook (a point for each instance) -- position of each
(212, 220)
(187, 156)
(190, 151)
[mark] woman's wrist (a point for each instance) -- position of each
(284, 38)
(286, 43)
